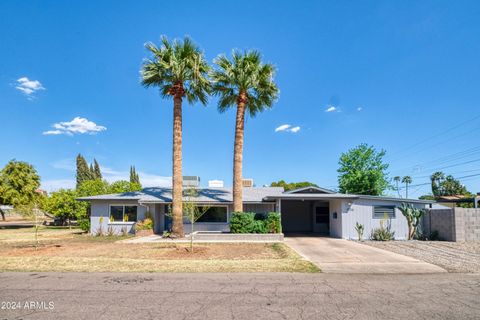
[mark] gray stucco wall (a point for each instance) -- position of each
(336, 224)
(361, 211)
(101, 209)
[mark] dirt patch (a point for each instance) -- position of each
(452, 256)
(65, 250)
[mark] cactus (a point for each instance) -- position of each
(413, 216)
(359, 228)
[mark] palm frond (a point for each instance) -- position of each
(177, 62)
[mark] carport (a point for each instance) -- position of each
(305, 216)
(309, 210)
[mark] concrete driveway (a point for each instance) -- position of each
(344, 256)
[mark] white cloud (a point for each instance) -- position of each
(28, 87)
(287, 128)
(283, 127)
(54, 185)
(77, 126)
(331, 109)
(359, 109)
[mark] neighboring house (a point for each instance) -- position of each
(305, 210)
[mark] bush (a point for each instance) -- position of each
(383, 233)
(259, 226)
(249, 222)
(84, 224)
(242, 222)
(146, 224)
(273, 222)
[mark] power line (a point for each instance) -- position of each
(438, 134)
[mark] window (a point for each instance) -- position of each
(214, 214)
(123, 213)
(382, 212)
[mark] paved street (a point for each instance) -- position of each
(242, 296)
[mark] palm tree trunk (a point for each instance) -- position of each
(238, 154)
(177, 227)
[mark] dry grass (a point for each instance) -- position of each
(62, 249)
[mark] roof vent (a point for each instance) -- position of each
(247, 183)
(215, 183)
(191, 181)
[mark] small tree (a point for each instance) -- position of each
(192, 211)
(413, 216)
(63, 205)
(31, 212)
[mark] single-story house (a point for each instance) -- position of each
(304, 210)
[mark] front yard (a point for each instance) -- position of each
(62, 249)
(452, 256)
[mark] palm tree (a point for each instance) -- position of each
(407, 180)
(436, 178)
(397, 180)
(246, 83)
(179, 70)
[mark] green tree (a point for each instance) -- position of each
(83, 170)
(407, 180)
(363, 171)
(287, 186)
(246, 83)
(18, 184)
(452, 187)
(134, 177)
(436, 178)
(96, 170)
(179, 70)
(122, 186)
(63, 205)
(93, 188)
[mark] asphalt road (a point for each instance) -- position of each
(239, 296)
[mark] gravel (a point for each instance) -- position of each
(452, 256)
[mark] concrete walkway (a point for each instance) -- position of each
(344, 256)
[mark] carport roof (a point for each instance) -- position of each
(332, 196)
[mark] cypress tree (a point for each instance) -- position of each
(83, 172)
(134, 177)
(96, 168)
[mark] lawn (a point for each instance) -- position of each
(62, 249)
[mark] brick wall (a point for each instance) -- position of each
(456, 224)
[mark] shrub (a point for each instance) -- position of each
(259, 226)
(146, 224)
(242, 222)
(383, 233)
(84, 224)
(273, 222)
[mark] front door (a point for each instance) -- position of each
(321, 223)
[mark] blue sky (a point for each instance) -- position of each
(400, 75)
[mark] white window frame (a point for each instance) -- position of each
(123, 212)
